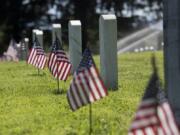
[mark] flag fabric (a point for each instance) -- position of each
(154, 116)
(86, 86)
(37, 56)
(58, 62)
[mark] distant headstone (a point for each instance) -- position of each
(108, 50)
(39, 35)
(34, 34)
(25, 48)
(75, 43)
(56, 31)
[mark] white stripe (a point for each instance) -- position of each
(53, 63)
(30, 56)
(130, 133)
(59, 69)
(170, 118)
(162, 119)
(91, 83)
(33, 53)
(67, 72)
(149, 131)
(34, 61)
(97, 81)
(71, 100)
(33, 57)
(81, 75)
(41, 61)
(62, 71)
(38, 61)
(144, 122)
(55, 69)
(139, 132)
(44, 61)
(160, 131)
(50, 62)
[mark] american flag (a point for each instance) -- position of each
(86, 86)
(154, 116)
(58, 62)
(37, 56)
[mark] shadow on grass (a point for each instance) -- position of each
(59, 92)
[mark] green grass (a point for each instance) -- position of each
(29, 104)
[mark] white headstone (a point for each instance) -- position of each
(39, 35)
(34, 34)
(26, 43)
(75, 43)
(56, 30)
(172, 54)
(108, 50)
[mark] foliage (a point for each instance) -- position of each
(19, 17)
(29, 104)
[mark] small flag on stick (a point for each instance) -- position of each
(37, 56)
(154, 116)
(86, 86)
(58, 62)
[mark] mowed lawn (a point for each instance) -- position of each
(29, 104)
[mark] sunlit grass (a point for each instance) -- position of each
(29, 104)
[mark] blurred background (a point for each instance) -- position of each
(19, 17)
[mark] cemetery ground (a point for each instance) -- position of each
(29, 104)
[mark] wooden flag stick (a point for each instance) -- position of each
(90, 119)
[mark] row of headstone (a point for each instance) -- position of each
(108, 46)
